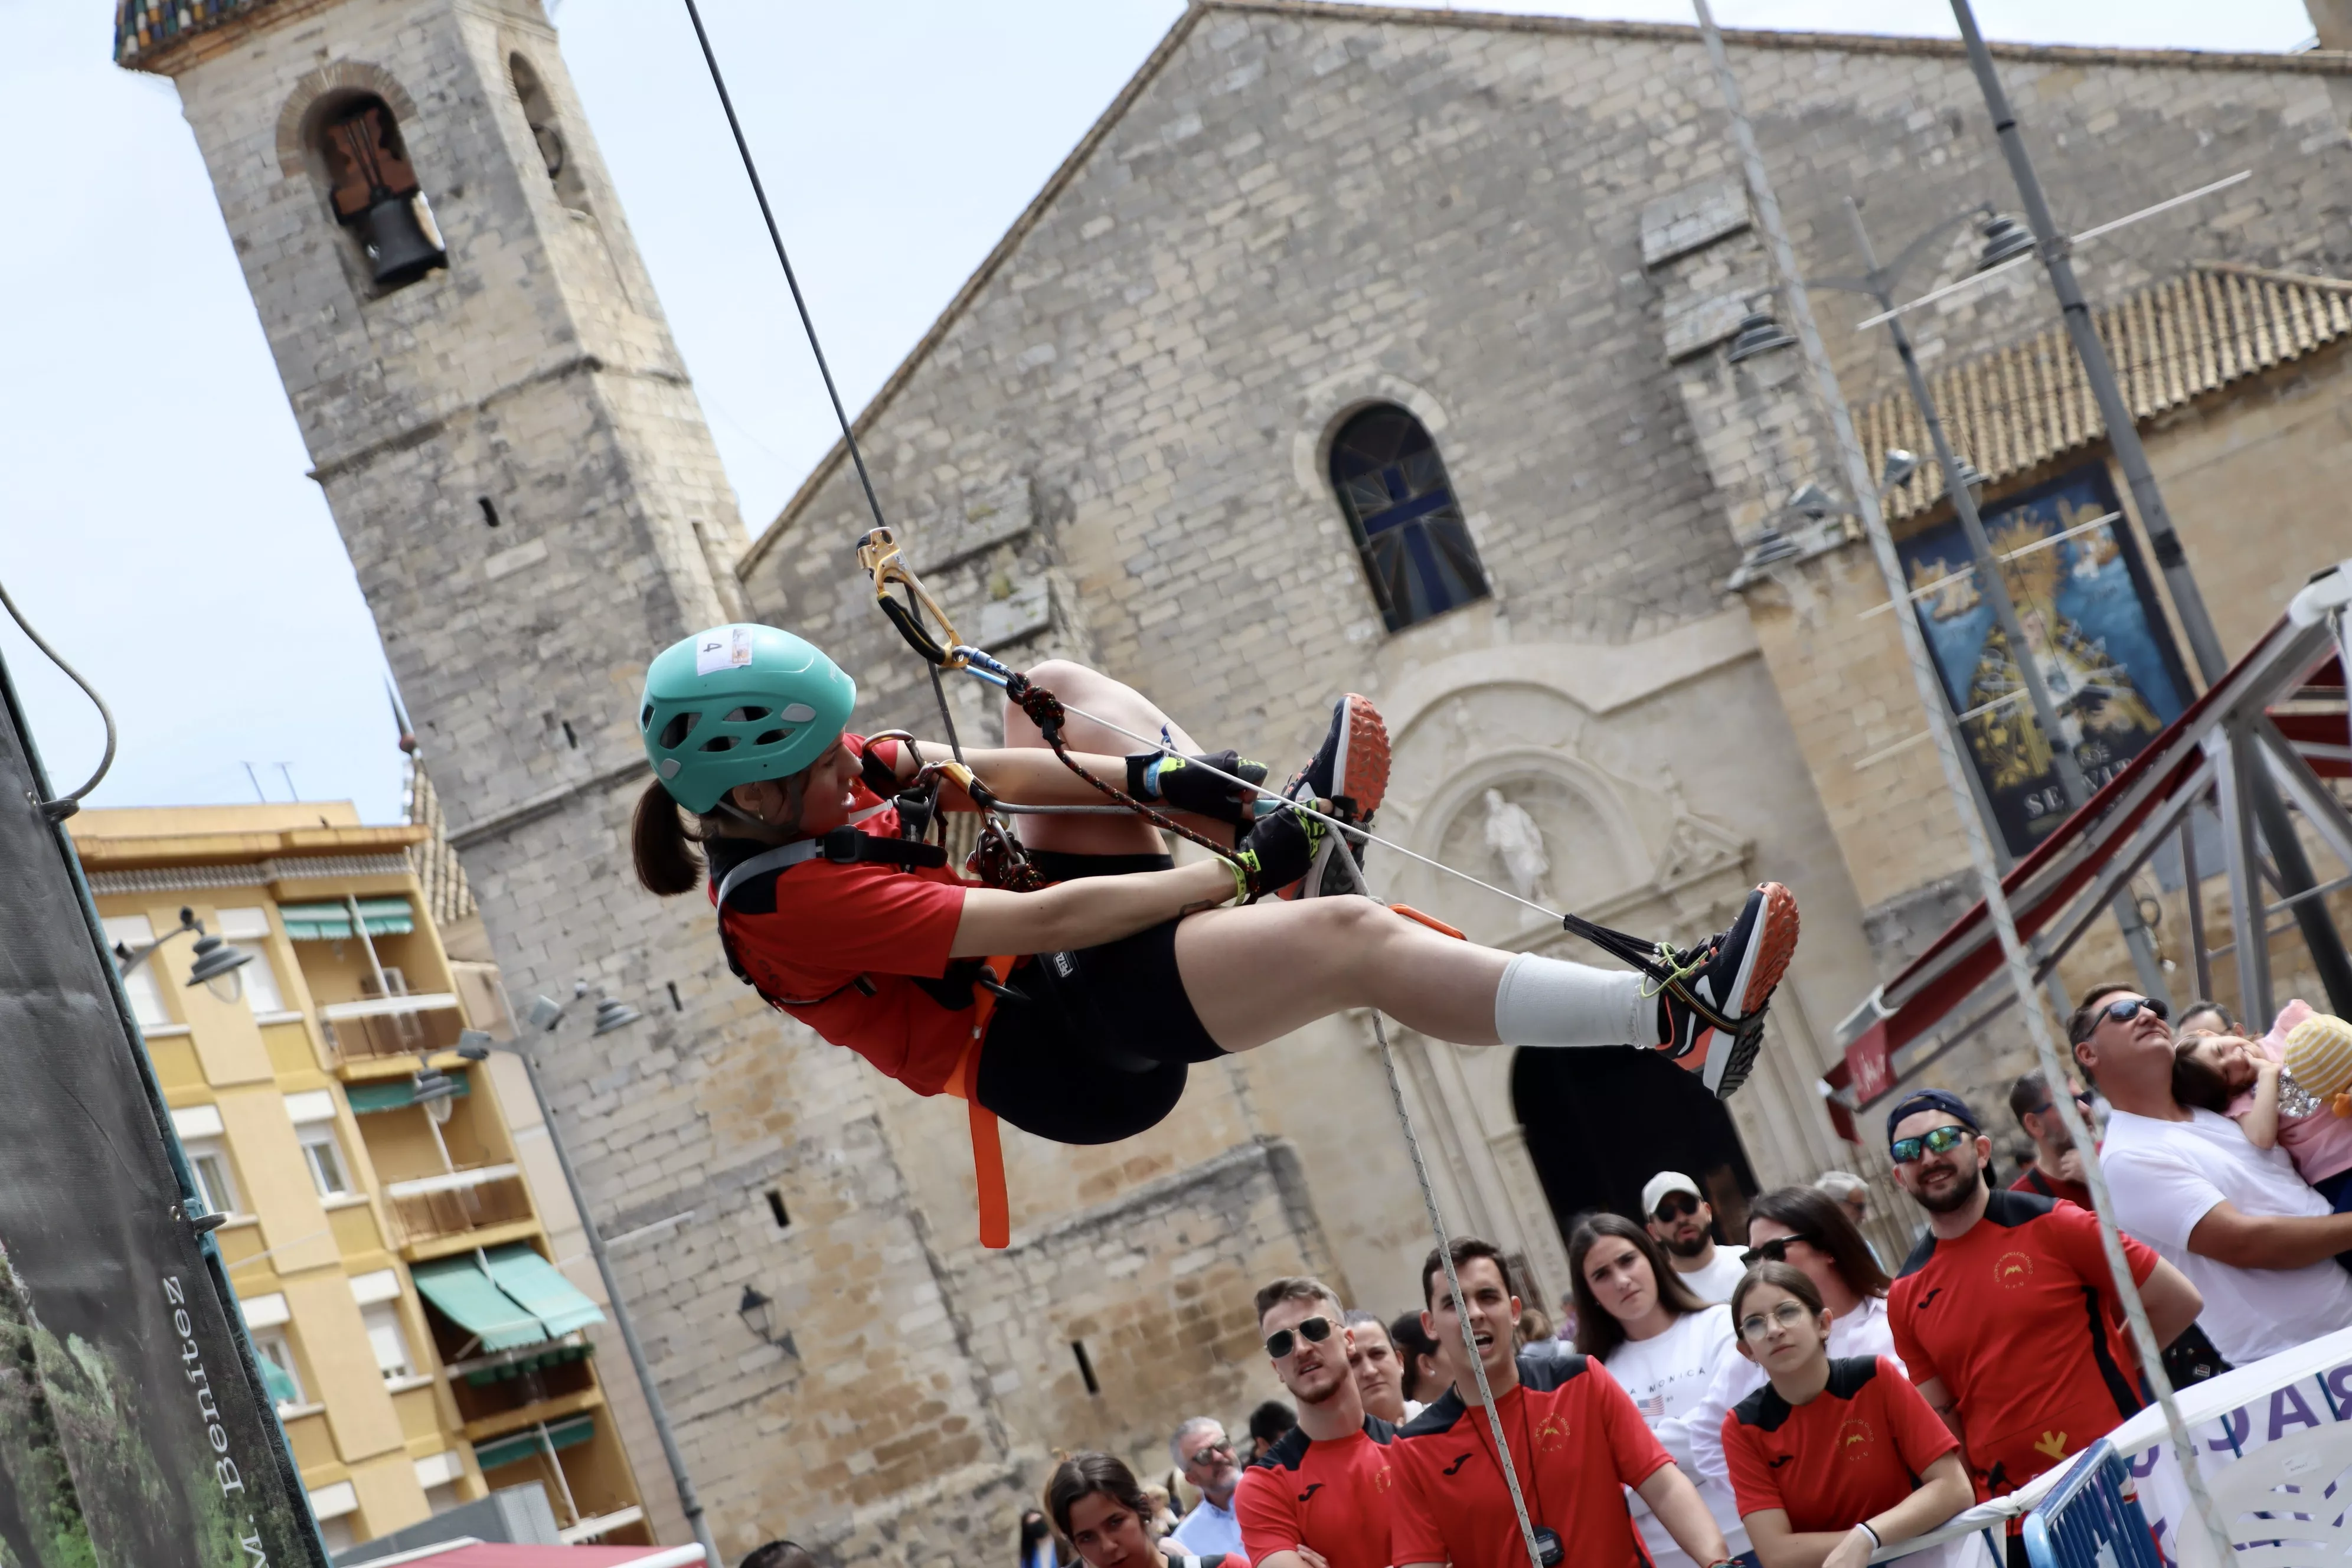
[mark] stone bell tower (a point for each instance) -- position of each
(521, 473)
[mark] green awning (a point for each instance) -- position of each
(542, 1291)
(332, 923)
(396, 1093)
(568, 1433)
(279, 1382)
(468, 1297)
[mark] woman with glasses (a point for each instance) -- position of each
(1837, 1455)
(1636, 1317)
(1810, 1231)
(1098, 1506)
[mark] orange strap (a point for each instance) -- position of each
(1431, 922)
(987, 1148)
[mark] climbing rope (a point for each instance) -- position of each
(1049, 713)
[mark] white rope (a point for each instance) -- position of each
(1932, 699)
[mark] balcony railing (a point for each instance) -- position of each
(392, 1025)
(431, 1207)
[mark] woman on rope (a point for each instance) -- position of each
(1102, 989)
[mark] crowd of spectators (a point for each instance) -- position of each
(1784, 1398)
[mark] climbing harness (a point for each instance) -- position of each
(999, 859)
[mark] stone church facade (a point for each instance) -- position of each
(1118, 444)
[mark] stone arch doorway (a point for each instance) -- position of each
(1600, 1123)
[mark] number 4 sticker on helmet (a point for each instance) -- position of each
(729, 647)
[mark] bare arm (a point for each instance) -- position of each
(1942, 1492)
(1305, 1557)
(1676, 1503)
(2172, 1302)
(2268, 1241)
(1086, 913)
(1941, 1400)
(2260, 1123)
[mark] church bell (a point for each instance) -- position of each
(402, 241)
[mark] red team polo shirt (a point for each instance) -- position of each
(2019, 1317)
(1853, 1450)
(1334, 1497)
(1576, 1440)
(824, 927)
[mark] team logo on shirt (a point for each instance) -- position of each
(1312, 1488)
(1853, 1439)
(1381, 1479)
(1459, 1460)
(2012, 1270)
(1552, 1434)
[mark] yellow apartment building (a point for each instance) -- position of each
(389, 1204)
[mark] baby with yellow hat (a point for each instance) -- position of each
(2291, 1088)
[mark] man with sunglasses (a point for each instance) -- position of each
(2057, 1169)
(1202, 1452)
(2235, 1218)
(1683, 1222)
(2005, 1314)
(1323, 1487)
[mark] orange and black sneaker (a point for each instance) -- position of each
(1711, 1000)
(1350, 773)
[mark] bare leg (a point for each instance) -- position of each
(1122, 704)
(1260, 971)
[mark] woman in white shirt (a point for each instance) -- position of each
(1811, 1231)
(1636, 1317)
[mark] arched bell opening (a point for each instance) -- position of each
(547, 134)
(1601, 1123)
(361, 162)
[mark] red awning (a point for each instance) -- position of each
(2289, 662)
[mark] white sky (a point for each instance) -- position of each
(157, 526)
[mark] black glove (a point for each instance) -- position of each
(1177, 783)
(1279, 850)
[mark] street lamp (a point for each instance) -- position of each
(1759, 333)
(1818, 523)
(2002, 240)
(545, 1015)
(216, 965)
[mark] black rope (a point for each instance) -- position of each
(848, 438)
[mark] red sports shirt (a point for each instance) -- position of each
(1333, 1496)
(1576, 1440)
(1854, 1450)
(2035, 1181)
(2019, 1317)
(807, 935)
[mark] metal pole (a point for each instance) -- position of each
(1990, 578)
(688, 1501)
(2294, 874)
(1931, 696)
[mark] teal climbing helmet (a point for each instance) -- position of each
(737, 704)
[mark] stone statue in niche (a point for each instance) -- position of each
(1517, 843)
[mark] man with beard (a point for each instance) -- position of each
(1202, 1453)
(1575, 1437)
(2005, 1315)
(2255, 1239)
(2057, 1168)
(1683, 1224)
(1323, 1487)
(1379, 1370)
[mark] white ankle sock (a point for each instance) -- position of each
(1549, 1001)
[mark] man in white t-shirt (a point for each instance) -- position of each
(1682, 1221)
(2253, 1238)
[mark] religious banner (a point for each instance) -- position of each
(2095, 629)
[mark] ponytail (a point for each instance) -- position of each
(662, 844)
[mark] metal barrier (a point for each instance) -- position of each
(2087, 1521)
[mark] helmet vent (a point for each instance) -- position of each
(720, 744)
(797, 713)
(745, 716)
(680, 726)
(647, 717)
(770, 737)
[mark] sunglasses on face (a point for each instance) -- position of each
(2124, 1009)
(1787, 1315)
(1936, 1140)
(1678, 1206)
(1773, 1251)
(1206, 1451)
(1282, 1341)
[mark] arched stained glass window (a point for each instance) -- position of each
(1408, 528)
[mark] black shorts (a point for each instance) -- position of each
(1098, 1047)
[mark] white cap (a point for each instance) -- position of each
(1666, 1182)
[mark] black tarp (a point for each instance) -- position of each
(134, 1432)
